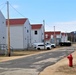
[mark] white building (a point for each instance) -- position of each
(53, 37)
(64, 37)
(2, 29)
(20, 32)
(37, 33)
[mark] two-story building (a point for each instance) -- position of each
(53, 37)
(20, 33)
(37, 33)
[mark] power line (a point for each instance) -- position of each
(2, 4)
(2, 7)
(16, 10)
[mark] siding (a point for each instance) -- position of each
(16, 37)
(36, 38)
(2, 29)
(39, 37)
(27, 35)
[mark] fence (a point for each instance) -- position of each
(4, 49)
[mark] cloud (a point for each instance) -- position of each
(62, 26)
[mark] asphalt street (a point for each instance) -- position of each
(34, 64)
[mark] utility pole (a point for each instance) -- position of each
(8, 29)
(44, 32)
(54, 36)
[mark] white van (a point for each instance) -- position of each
(40, 46)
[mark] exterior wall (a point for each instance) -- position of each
(2, 29)
(20, 35)
(58, 36)
(39, 37)
(16, 36)
(47, 41)
(42, 33)
(58, 39)
(36, 38)
(27, 35)
(51, 39)
(64, 38)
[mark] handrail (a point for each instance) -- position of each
(4, 47)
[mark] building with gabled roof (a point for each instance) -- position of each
(36, 26)
(2, 29)
(53, 37)
(37, 33)
(18, 21)
(20, 33)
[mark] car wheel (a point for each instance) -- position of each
(48, 48)
(52, 46)
(38, 48)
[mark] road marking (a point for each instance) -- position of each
(39, 57)
(47, 60)
(5, 63)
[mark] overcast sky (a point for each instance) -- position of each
(58, 13)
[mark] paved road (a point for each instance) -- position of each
(33, 65)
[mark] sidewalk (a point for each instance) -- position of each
(61, 67)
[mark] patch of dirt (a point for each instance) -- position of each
(65, 69)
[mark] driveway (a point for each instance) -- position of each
(33, 65)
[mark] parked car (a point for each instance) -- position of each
(52, 45)
(67, 43)
(40, 46)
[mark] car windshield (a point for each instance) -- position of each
(48, 44)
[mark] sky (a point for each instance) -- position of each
(58, 13)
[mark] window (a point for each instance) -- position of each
(43, 40)
(27, 31)
(46, 35)
(51, 36)
(36, 33)
(40, 45)
(3, 37)
(2, 22)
